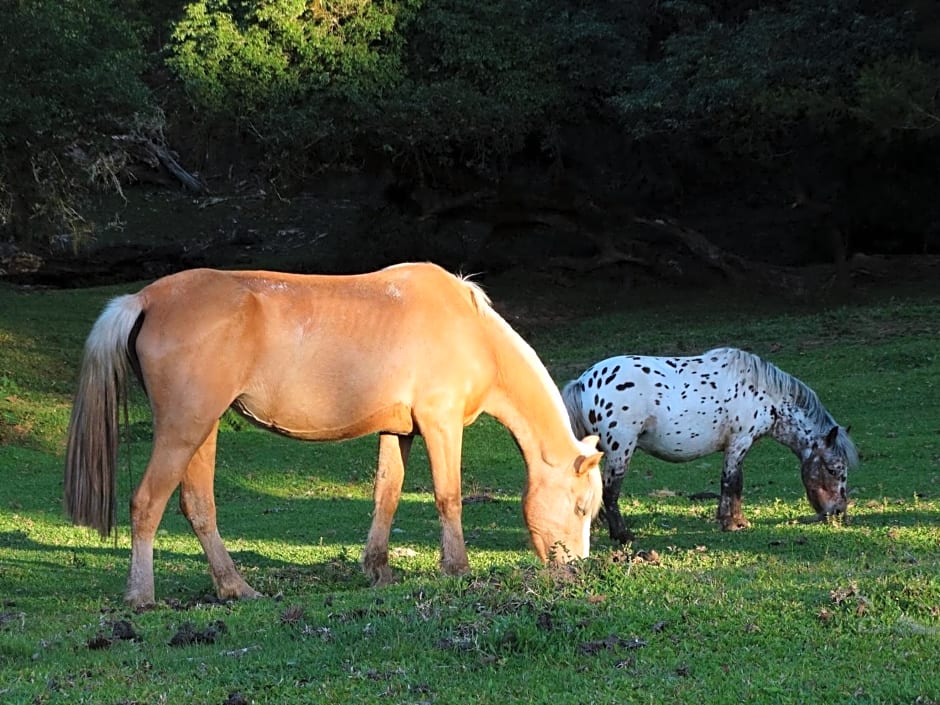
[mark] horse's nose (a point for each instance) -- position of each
(838, 506)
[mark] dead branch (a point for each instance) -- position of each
(156, 156)
(731, 265)
(583, 266)
(190, 182)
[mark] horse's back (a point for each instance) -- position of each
(410, 301)
(675, 408)
(319, 356)
(616, 400)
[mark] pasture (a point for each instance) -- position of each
(784, 612)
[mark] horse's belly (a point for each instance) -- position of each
(677, 448)
(325, 422)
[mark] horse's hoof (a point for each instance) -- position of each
(139, 601)
(735, 524)
(841, 518)
(455, 569)
(380, 576)
(249, 594)
(375, 566)
(237, 590)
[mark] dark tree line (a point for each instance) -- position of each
(590, 114)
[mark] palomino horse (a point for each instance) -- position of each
(681, 408)
(407, 350)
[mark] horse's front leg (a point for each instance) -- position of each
(730, 515)
(443, 443)
(389, 476)
(615, 469)
(197, 501)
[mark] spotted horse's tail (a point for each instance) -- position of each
(571, 394)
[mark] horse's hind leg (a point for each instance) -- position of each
(730, 514)
(389, 476)
(166, 466)
(615, 469)
(197, 501)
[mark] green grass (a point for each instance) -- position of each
(782, 613)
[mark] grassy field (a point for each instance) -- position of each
(781, 613)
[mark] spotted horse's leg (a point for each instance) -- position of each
(730, 516)
(615, 468)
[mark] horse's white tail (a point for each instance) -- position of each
(94, 429)
(571, 394)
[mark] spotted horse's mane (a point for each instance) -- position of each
(768, 377)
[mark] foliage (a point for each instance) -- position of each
(821, 100)
(432, 84)
(489, 81)
(244, 58)
(69, 67)
(788, 62)
(295, 74)
(440, 90)
(899, 94)
(783, 612)
(72, 76)
(468, 86)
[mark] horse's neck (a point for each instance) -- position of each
(538, 434)
(793, 428)
(527, 402)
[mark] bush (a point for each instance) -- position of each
(71, 75)
(429, 85)
(753, 77)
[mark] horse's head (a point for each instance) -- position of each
(824, 468)
(558, 506)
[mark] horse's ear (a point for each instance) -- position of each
(832, 435)
(586, 463)
(848, 428)
(591, 441)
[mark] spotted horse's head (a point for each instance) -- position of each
(824, 468)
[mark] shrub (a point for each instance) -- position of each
(71, 76)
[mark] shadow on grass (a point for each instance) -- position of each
(871, 534)
(304, 543)
(299, 495)
(38, 570)
(783, 540)
(42, 570)
(45, 569)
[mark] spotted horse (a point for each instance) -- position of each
(682, 408)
